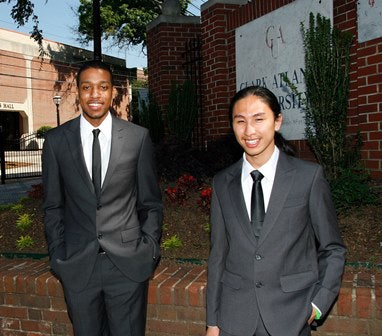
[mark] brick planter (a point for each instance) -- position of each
(32, 302)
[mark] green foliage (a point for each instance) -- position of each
(352, 189)
(207, 227)
(24, 222)
(172, 243)
(151, 117)
(327, 65)
(18, 208)
(42, 130)
(123, 21)
(182, 110)
(24, 242)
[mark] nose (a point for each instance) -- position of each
(94, 92)
(249, 129)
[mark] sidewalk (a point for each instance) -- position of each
(13, 190)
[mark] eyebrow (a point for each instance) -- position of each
(101, 82)
(253, 115)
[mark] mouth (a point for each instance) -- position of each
(252, 142)
(94, 105)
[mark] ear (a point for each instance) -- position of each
(278, 122)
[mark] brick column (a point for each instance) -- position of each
(166, 40)
(218, 67)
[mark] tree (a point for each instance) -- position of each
(123, 21)
(21, 12)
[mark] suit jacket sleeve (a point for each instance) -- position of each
(216, 259)
(53, 202)
(149, 203)
(331, 251)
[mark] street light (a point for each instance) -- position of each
(57, 101)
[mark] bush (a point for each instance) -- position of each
(352, 189)
(182, 110)
(25, 242)
(24, 222)
(42, 130)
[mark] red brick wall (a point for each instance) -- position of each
(365, 102)
(218, 24)
(32, 302)
(12, 86)
(166, 42)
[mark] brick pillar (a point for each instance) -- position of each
(218, 69)
(166, 40)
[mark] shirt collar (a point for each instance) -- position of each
(268, 169)
(105, 126)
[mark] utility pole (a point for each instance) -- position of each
(97, 30)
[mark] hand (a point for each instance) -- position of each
(212, 331)
(312, 316)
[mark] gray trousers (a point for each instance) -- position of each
(110, 305)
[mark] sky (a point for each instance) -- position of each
(57, 21)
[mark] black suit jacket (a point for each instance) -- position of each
(298, 259)
(127, 226)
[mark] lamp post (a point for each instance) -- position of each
(57, 101)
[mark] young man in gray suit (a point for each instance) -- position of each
(277, 272)
(103, 211)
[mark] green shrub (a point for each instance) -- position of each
(42, 130)
(24, 222)
(151, 118)
(18, 208)
(24, 242)
(172, 243)
(351, 188)
(182, 110)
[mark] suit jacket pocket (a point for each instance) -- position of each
(298, 281)
(235, 281)
(131, 234)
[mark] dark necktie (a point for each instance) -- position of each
(257, 203)
(96, 166)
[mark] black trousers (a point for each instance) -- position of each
(110, 305)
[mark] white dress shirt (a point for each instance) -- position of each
(268, 170)
(104, 140)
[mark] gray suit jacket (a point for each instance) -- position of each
(127, 226)
(298, 259)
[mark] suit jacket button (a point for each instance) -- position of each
(259, 284)
(258, 257)
(99, 236)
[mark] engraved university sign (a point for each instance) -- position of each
(271, 46)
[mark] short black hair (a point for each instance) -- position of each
(94, 64)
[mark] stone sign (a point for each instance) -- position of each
(272, 46)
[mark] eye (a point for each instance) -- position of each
(85, 87)
(239, 121)
(104, 87)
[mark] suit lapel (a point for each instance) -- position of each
(73, 137)
(282, 184)
(117, 141)
(237, 199)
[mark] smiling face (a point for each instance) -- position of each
(95, 92)
(254, 125)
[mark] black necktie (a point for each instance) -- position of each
(257, 203)
(96, 166)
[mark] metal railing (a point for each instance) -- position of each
(20, 157)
